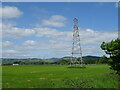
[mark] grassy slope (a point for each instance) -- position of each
(0, 77)
(55, 76)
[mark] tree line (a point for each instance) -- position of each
(61, 61)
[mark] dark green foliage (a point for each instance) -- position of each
(95, 60)
(113, 49)
(103, 60)
(27, 61)
(90, 59)
(61, 61)
(64, 61)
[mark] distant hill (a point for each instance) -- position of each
(68, 57)
(85, 57)
(90, 57)
(54, 59)
(50, 60)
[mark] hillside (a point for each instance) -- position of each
(50, 60)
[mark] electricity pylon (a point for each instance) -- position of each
(76, 48)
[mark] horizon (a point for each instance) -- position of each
(33, 30)
(50, 58)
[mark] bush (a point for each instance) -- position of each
(113, 49)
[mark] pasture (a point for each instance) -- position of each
(58, 76)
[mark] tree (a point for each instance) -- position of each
(64, 61)
(113, 49)
(103, 60)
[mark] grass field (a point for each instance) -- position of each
(58, 76)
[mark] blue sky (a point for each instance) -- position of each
(45, 29)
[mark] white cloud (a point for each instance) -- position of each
(92, 50)
(44, 45)
(7, 44)
(10, 51)
(55, 21)
(29, 45)
(96, 37)
(16, 33)
(58, 42)
(29, 42)
(90, 30)
(57, 18)
(88, 36)
(10, 12)
(10, 31)
(48, 32)
(14, 54)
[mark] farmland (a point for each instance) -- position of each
(58, 76)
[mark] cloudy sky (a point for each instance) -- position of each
(44, 30)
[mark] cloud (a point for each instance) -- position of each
(10, 31)
(11, 51)
(55, 43)
(30, 46)
(87, 36)
(90, 30)
(7, 44)
(13, 32)
(96, 37)
(10, 12)
(49, 32)
(29, 42)
(44, 45)
(54, 21)
(14, 54)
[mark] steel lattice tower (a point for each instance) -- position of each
(76, 48)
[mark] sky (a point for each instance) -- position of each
(60, 0)
(44, 29)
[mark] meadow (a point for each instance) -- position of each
(58, 76)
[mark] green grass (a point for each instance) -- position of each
(0, 77)
(58, 76)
